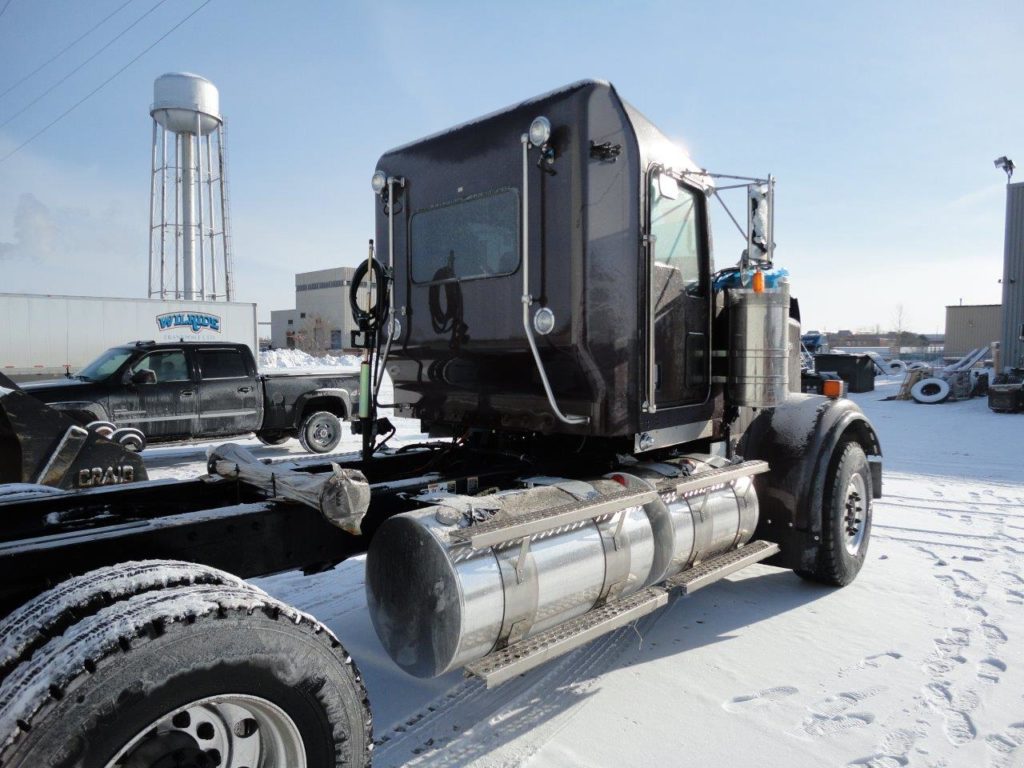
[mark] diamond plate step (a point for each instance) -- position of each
(517, 658)
(491, 532)
(719, 567)
(713, 477)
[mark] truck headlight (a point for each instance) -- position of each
(378, 181)
(540, 131)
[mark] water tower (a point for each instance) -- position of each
(189, 236)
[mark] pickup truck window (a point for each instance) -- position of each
(222, 364)
(167, 365)
(105, 365)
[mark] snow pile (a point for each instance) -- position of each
(295, 358)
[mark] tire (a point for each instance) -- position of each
(930, 391)
(273, 438)
(48, 615)
(320, 432)
(897, 366)
(245, 669)
(847, 491)
(130, 439)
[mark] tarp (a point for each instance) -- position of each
(342, 496)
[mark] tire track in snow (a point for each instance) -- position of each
(471, 722)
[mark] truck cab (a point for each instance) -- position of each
(575, 262)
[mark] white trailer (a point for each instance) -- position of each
(46, 335)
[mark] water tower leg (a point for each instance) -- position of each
(188, 217)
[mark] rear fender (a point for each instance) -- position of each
(798, 439)
(333, 395)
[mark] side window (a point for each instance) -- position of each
(675, 225)
(167, 365)
(222, 364)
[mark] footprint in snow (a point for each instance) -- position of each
(818, 726)
(990, 669)
(759, 699)
(1006, 746)
(994, 634)
(955, 709)
(840, 702)
(892, 752)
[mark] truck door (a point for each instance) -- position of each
(229, 393)
(678, 294)
(158, 396)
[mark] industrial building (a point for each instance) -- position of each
(322, 318)
(969, 326)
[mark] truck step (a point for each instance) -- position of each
(499, 531)
(711, 478)
(524, 655)
(719, 567)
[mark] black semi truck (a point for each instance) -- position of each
(145, 392)
(618, 421)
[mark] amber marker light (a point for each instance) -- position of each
(832, 388)
(759, 281)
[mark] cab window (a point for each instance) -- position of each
(167, 365)
(675, 225)
(470, 238)
(222, 364)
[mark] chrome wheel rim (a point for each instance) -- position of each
(855, 512)
(228, 731)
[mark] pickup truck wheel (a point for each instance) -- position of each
(208, 675)
(846, 519)
(320, 432)
(273, 438)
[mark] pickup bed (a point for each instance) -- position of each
(148, 392)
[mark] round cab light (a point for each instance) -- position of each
(396, 329)
(544, 321)
(540, 131)
(378, 182)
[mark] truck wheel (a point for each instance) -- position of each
(188, 676)
(321, 432)
(846, 519)
(273, 438)
(130, 439)
(48, 615)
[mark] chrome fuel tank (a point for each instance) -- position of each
(438, 605)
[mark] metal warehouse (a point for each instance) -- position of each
(969, 326)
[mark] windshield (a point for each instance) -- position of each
(105, 365)
(474, 237)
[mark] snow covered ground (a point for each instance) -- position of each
(919, 663)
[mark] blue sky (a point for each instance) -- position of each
(880, 120)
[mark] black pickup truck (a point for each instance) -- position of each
(146, 392)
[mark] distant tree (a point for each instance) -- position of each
(899, 321)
